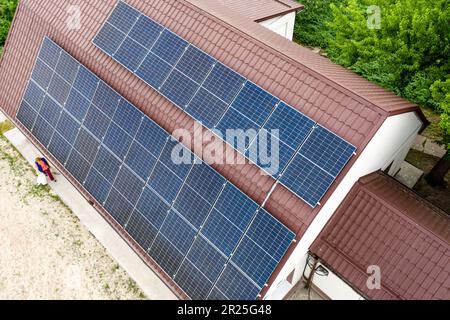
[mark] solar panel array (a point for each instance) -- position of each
(208, 236)
(310, 156)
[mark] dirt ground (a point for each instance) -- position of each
(45, 252)
(439, 196)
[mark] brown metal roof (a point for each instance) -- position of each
(336, 98)
(383, 223)
(261, 10)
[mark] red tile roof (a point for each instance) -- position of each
(383, 223)
(334, 97)
(261, 10)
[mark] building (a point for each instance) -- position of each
(379, 124)
(278, 16)
(381, 223)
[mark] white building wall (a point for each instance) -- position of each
(333, 286)
(283, 25)
(391, 143)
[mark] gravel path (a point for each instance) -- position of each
(45, 252)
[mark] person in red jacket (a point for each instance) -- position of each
(43, 166)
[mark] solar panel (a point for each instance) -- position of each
(141, 230)
(195, 64)
(153, 207)
(124, 17)
(34, 95)
(169, 47)
(221, 98)
(77, 105)
(192, 280)
(179, 88)
(42, 74)
(307, 180)
(145, 32)
(97, 185)
(131, 54)
(67, 67)
(206, 258)
(117, 140)
(206, 108)
(233, 284)
(255, 103)
(129, 185)
(59, 89)
(187, 217)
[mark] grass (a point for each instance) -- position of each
(5, 126)
(433, 131)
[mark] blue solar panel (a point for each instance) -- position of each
(50, 111)
(96, 122)
(117, 140)
(179, 88)
(307, 180)
(67, 67)
(153, 70)
(327, 150)
(165, 182)
(172, 216)
(107, 164)
(141, 230)
(192, 206)
(77, 105)
(123, 17)
(255, 103)
(152, 207)
(271, 154)
(131, 54)
(49, 53)
(86, 82)
(224, 82)
(173, 156)
(118, 206)
(59, 148)
(129, 185)
(236, 206)
(206, 108)
(166, 255)
(106, 99)
(169, 47)
(221, 232)
(151, 137)
(68, 127)
(87, 145)
(192, 280)
(270, 234)
(292, 125)
(145, 32)
(235, 285)
(128, 117)
(140, 160)
(42, 130)
(34, 95)
(195, 64)
(42, 74)
(26, 115)
(254, 261)
(215, 294)
(251, 106)
(59, 89)
(109, 39)
(178, 232)
(206, 181)
(97, 185)
(78, 166)
(206, 258)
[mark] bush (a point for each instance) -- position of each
(7, 9)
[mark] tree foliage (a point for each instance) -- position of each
(409, 53)
(7, 9)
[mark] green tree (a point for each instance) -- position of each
(7, 9)
(441, 94)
